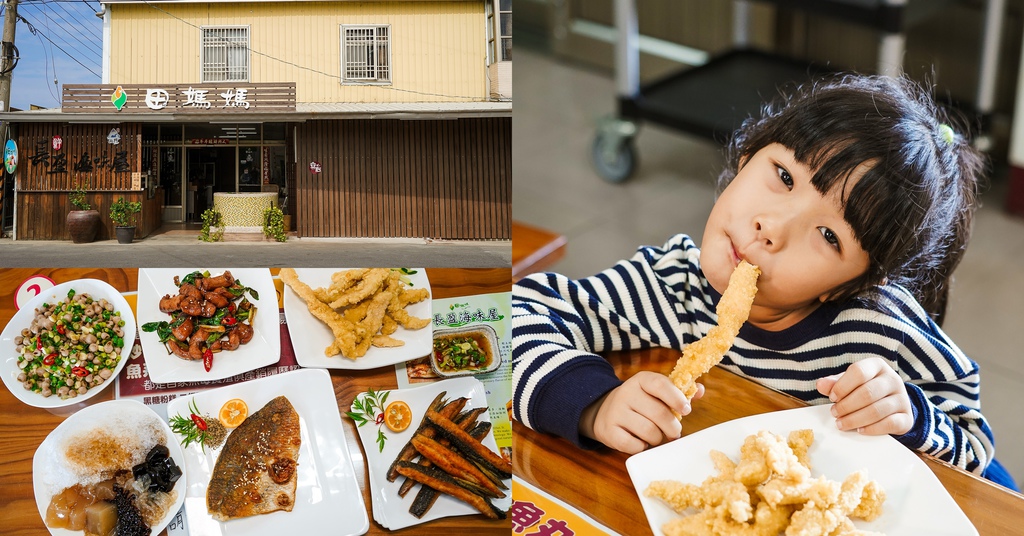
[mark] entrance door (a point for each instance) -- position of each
(210, 169)
(171, 180)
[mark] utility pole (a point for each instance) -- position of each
(7, 61)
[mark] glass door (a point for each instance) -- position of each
(172, 180)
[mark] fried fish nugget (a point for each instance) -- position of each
(800, 442)
(677, 495)
(733, 310)
(871, 500)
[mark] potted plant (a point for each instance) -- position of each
(82, 220)
(123, 214)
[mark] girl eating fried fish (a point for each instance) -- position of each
(853, 197)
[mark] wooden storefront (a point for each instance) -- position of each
(444, 179)
(86, 158)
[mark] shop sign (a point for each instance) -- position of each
(210, 141)
(114, 138)
(315, 167)
(10, 156)
(198, 98)
(266, 166)
(57, 142)
(83, 163)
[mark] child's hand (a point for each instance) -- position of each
(640, 413)
(869, 397)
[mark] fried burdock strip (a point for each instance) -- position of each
(445, 483)
(733, 310)
(346, 334)
(473, 449)
(465, 420)
(427, 496)
(408, 452)
(452, 463)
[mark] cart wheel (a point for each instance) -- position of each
(614, 158)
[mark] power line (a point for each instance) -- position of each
(81, 38)
(92, 29)
(34, 31)
(310, 69)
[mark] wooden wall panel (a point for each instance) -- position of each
(42, 194)
(390, 178)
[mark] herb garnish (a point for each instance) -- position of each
(191, 428)
(371, 409)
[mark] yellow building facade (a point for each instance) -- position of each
(438, 50)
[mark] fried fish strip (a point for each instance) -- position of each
(733, 310)
(346, 333)
(368, 285)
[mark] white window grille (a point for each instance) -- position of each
(505, 29)
(225, 54)
(366, 54)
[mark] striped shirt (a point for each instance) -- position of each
(661, 298)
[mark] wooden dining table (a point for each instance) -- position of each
(534, 249)
(596, 483)
(24, 427)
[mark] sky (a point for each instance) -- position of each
(70, 25)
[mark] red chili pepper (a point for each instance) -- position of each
(231, 308)
(229, 321)
(81, 372)
(39, 343)
(200, 423)
(380, 419)
(48, 360)
(60, 329)
(208, 359)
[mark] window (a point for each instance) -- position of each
(366, 54)
(505, 29)
(225, 52)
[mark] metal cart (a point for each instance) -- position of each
(711, 100)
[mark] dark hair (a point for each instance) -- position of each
(912, 209)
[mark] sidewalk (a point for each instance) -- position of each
(182, 248)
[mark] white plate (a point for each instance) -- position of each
(327, 494)
(310, 336)
(916, 503)
(23, 319)
(49, 465)
(263, 349)
(391, 510)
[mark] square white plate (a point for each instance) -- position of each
(49, 465)
(9, 369)
(264, 348)
(310, 336)
(327, 494)
(916, 503)
(389, 509)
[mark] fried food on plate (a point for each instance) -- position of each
(769, 492)
(363, 307)
(733, 310)
(256, 473)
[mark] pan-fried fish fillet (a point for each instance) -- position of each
(256, 472)
(733, 310)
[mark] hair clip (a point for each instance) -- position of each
(947, 133)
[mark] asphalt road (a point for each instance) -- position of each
(177, 250)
